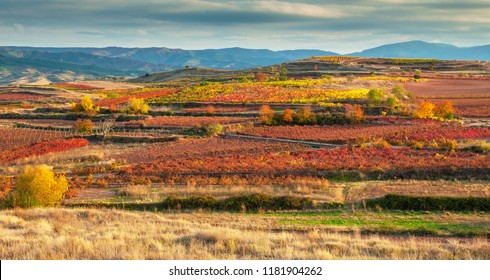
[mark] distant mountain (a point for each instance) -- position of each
(61, 64)
(421, 49)
(27, 64)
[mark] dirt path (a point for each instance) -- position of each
(267, 139)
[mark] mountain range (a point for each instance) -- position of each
(31, 64)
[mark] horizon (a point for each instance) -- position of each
(260, 24)
(235, 47)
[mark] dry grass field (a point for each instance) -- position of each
(113, 234)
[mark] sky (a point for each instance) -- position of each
(340, 25)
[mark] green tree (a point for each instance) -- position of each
(375, 96)
(37, 187)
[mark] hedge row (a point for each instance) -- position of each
(428, 203)
(253, 202)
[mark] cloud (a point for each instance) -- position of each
(337, 25)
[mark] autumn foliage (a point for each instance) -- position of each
(38, 186)
(85, 105)
(42, 148)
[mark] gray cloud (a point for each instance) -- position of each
(277, 24)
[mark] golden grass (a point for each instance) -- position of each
(110, 234)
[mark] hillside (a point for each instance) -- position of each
(318, 66)
(417, 49)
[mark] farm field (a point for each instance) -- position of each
(324, 167)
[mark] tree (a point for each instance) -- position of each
(375, 96)
(354, 113)
(83, 126)
(283, 74)
(266, 115)
(138, 106)
(210, 110)
(392, 102)
(37, 187)
(444, 110)
(85, 105)
(305, 116)
(260, 77)
(288, 116)
(417, 73)
(107, 125)
(425, 110)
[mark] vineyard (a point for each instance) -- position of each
(49, 146)
(368, 159)
(13, 137)
(261, 93)
(334, 59)
(144, 95)
(195, 149)
(19, 96)
(186, 121)
(393, 133)
(317, 153)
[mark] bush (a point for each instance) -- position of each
(138, 106)
(83, 126)
(38, 187)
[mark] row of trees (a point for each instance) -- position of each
(304, 116)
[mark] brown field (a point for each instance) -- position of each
(441, 88)
(471, 108)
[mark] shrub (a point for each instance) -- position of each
(83, 126)
(137, 106)
(38, 186)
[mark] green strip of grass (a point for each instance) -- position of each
(438, 224)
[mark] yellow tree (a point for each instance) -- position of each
(138, 106)
(38, 186)
(425, 111)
